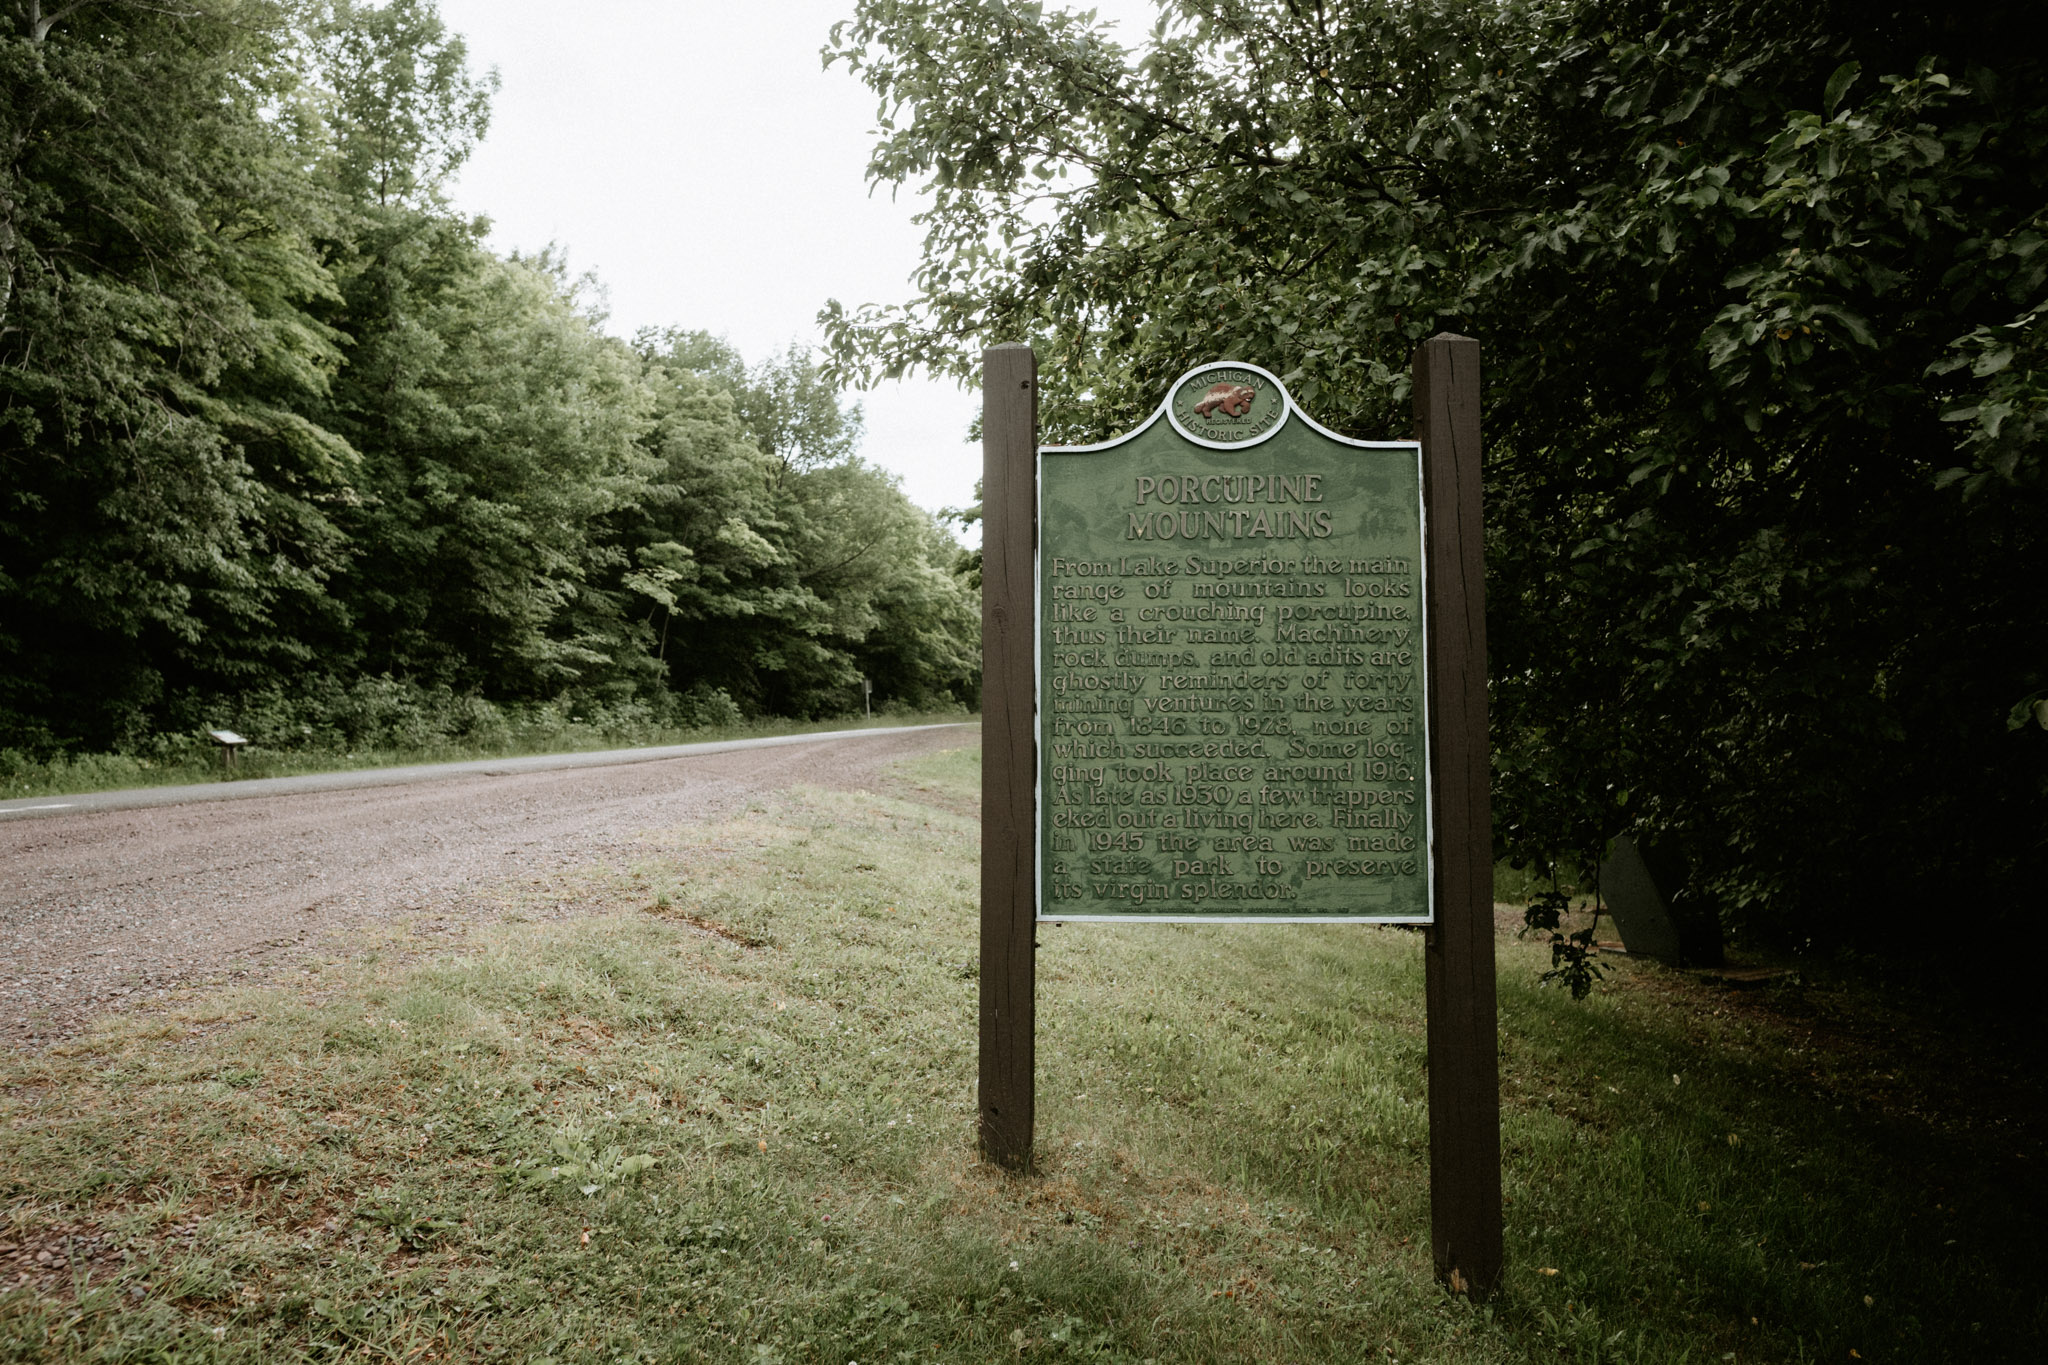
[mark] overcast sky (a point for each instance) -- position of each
(694, 154)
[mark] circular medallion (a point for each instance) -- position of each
(1228, 405)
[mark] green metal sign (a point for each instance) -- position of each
(1232, 704)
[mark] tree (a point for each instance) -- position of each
(1759, 292)
(161, 490)
(781, 575)
(499, 429)
(790, 404)
(280, 436)
(403, 110)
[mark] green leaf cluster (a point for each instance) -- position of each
(1759, 291)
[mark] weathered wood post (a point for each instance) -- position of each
(1009, 753)
(1464, 1059)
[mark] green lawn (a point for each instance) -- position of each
(728, 1119)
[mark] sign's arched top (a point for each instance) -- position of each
(1227, 405)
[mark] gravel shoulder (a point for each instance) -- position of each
(118, 906)
(135, 798)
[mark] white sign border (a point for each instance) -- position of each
(1289, 410)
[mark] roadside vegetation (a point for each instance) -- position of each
(1760, 293)
(287, 447)
(176, 760)
(723, 1113)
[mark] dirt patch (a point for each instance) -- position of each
(57, 1258)
(710, 927)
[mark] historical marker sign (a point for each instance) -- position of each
(1232, 688)
(1233, 670)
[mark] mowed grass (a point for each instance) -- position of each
(731, 1121)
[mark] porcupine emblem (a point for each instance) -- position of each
(1234, 399)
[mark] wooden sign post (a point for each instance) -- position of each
(1234, 669)
(1464, 1051)
(1009, 754)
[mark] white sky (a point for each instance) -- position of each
(694, 154)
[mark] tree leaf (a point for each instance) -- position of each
(1838, 85)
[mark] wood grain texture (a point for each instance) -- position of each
(1009, 754)
(1464, 1050)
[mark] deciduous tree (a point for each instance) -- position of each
(1759, 290)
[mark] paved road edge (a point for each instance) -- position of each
(137, 798)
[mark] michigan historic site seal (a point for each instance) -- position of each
(1228, 405)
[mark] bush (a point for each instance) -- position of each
(707, 708)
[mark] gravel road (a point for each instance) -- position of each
(113, 909)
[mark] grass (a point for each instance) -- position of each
(726, 1117)
(66, 776)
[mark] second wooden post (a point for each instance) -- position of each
(1464, 1050)
(1009, 754)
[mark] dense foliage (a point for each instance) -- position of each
(278, 433)
(1759, 289)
